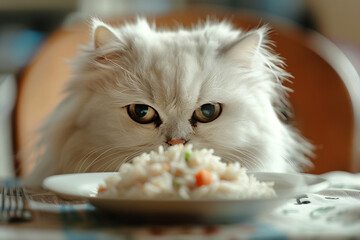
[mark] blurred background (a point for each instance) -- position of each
(26, 24)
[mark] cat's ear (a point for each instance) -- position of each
(244, 50)
(102, 34)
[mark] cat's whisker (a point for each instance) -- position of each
(105, 164)
(97, 158)
(89, 154)
(247, 161)
(110, 165)
(121, 161)
(230, 156)
(131, 156)
(105, 161)
(118, 166)
(251, 162)
(244, 156)
(81, 162)
(254, 160)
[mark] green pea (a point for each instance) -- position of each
(187, 156)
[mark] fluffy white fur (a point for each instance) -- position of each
(175, 72)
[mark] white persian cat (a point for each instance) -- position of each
(137, 87)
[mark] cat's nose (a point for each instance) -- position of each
(173, 142)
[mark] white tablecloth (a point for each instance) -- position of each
(333, 213)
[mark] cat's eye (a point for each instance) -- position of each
(142, 113)
(207, 112)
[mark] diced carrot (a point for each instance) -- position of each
(203, 177)
(101, 189)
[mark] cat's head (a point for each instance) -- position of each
(212, 86)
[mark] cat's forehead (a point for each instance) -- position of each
(177, 75)
(178, 69)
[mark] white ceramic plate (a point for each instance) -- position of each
(85, 185)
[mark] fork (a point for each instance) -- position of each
(14, 205)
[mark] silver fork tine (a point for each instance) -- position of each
(9, 194)
(2, 203)
(19, 209)
(19, 203)
(13, 204)
(26, 212)
(6, 203)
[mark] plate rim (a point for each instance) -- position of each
(320, 185)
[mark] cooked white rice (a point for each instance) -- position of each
(171, 174)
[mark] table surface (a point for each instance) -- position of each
(332, 213)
